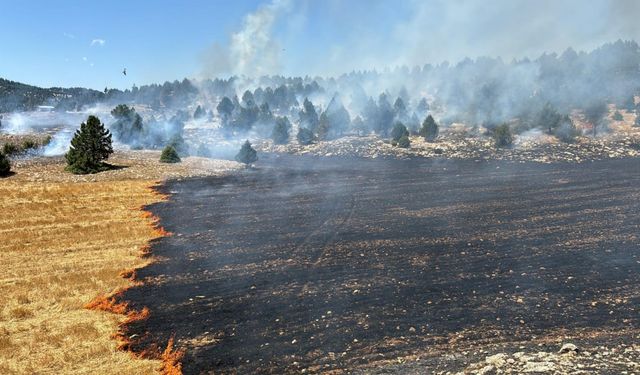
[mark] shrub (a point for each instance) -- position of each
(404, 141)
(429, 129)
(399, 131)
(595, 113)
(199, 113)
(502, 136)
(247, 154)
(9, 148)
(5, 166)
(617, 116)
(169, 155)
(305, 136)
(280, 133)
(90, 145)
(28, 144)
(178, 143)
(567, 132)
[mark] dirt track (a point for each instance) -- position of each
(324, 264)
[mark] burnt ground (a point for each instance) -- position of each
(343, 264)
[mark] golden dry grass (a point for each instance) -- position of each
(62, 245)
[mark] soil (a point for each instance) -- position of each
(127, 165)
(307, 264)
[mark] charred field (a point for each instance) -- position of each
(341, 264)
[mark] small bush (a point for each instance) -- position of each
(502, 136)
(280, 133)
(617, 116)
(169, 155)
(399, 131)
(247, 155)
(10, 148)
(404, 141)
(305, 136)
(429, 129)
(5, 166)
(29, 144)
(567, 132)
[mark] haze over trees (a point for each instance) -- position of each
(280, 134)
(595, 113)
(128, 125)
(305, 136)
(90, 146)
(526, 93)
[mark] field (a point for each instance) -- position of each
(341, 265)
(62, 246)
(65, 241)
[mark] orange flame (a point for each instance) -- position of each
(171, 360)
(109, 304)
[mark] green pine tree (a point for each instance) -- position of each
(169, 155)
(324, 127)
(404, 142)
(247, 155)
(280, 134)
(90, 145)
(398, 131)
(305, 136)
(429, 129)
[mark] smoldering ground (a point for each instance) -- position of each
(328, 263)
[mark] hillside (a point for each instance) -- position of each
(16, 96)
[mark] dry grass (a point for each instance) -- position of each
(63, 244)
(133, 165)
(67, 241)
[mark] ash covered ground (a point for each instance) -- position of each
(344, 264)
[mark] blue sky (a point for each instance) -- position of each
(45, 42)
(88, 43)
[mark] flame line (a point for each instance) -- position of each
(112, 302)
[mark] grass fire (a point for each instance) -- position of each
(338, 187)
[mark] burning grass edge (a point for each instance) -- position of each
(113, 303)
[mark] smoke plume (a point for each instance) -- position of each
(252, 51)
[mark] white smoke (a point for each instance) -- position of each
(16, 123)
(253, 50)
(375, 34)
(59, 143)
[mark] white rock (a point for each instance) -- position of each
(538, 367)
(497, 360)
(568, 348)
(487, 370)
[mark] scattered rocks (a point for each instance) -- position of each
(543, 150)
(569, 359)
